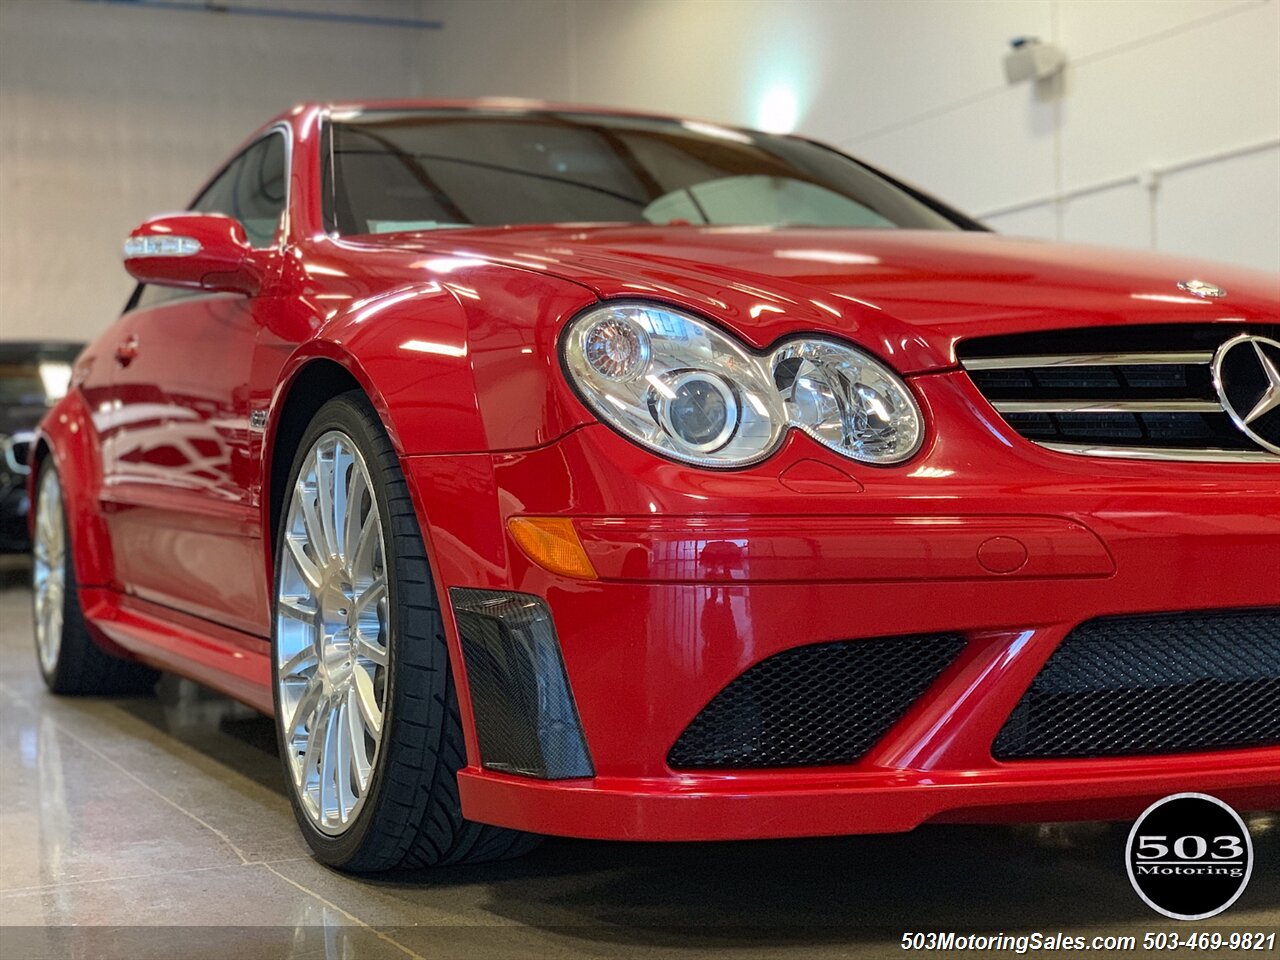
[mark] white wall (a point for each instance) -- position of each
(917, 86)
(109, 113)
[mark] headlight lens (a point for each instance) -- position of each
(616, 349)
(681, 387)
(700, 410)
(674, 384)
(847, 401)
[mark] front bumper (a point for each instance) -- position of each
(774, 805)
(704, 574)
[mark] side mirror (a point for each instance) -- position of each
(198, 251)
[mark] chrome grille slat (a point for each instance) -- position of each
(1207, 455)
(1089, 360)
(1143, 392)
(1107, 406)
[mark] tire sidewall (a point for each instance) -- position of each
(344, 415)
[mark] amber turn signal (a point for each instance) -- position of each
(553, 544)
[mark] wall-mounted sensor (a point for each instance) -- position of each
(1032, 60)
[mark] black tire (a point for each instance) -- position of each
(81, 667)
(411, 816)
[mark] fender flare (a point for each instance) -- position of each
(67, 436)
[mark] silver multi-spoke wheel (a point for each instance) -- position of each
(370, 732)
(48, 571)
(332, 633)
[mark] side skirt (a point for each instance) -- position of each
(235, 663)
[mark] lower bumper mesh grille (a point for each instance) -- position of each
(827, 703)
(1146, 685)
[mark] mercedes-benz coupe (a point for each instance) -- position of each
(551, 470)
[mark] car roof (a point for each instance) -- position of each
(489, 105)
(486, 104)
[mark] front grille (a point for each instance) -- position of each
(1137, 391)
(1171, 683)
(827, 703)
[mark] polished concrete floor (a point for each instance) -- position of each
(121, 816)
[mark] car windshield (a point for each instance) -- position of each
(432, 169)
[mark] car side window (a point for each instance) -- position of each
(250, 188)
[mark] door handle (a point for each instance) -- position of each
(127, 351)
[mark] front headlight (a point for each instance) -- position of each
(847, 401)
(677, 385)
(674, 384)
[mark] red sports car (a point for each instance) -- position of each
(558, 471)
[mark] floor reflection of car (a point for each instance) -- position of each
(33, 376)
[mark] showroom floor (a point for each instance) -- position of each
(170, 811)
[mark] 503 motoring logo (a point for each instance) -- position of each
(1189, 856)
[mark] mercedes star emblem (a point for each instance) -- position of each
(1205, 291)
(1246, 374)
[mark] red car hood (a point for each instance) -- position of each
(909, 295)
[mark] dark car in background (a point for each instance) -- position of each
(33, 376)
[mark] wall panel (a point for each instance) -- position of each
(109, 114)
